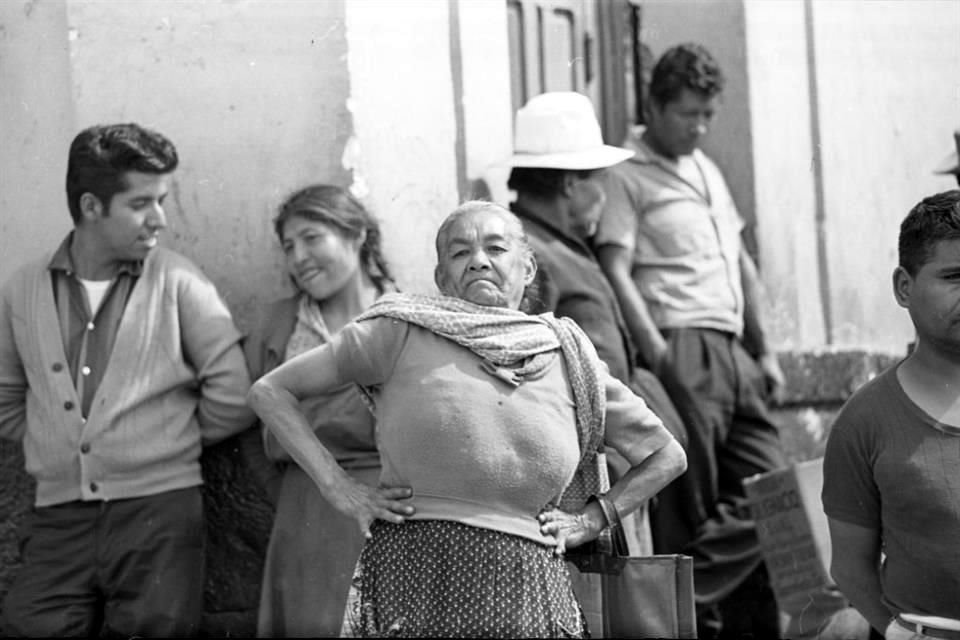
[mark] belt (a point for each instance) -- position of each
(927, 630)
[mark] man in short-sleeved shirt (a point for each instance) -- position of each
(891, 471)
(678, 221)
(669, 241)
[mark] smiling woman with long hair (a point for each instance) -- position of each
(331, 247)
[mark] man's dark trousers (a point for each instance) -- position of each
(720, 392)
(111, 568)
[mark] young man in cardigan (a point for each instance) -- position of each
(118, 360)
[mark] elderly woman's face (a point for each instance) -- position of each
(482, 260)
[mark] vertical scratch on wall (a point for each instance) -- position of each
(817, 170)
(456, 74)
(352, 160)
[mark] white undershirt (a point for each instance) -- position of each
(96, 290)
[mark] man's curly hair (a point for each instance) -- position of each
(685, 66)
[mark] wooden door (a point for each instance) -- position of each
(590, 46)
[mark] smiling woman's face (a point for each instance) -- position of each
(482, 259)
(319, 257)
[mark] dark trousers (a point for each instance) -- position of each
(115, 568)
(719, 392)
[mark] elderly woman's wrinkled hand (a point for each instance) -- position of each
(366, 504)
(571, 530)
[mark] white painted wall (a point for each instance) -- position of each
(889, 88)
(488, 116)
(252, 94)
(783, 168)
(403, 154)
(36, 126)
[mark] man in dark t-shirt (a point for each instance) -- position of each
(892, 465)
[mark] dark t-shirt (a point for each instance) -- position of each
(890, 466)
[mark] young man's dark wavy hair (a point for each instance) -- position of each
(933, 219)
(685, 66)
(102, 154)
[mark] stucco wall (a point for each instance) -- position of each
(488, 109)
(889, 99)
(252, 93)
(36, 125)
(784, 172)
(875, 86)
(403, 154)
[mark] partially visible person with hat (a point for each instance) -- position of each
(557, 173)
(951, 164)
(557, 166)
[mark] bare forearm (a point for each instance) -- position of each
(645, 480)
(279, 411)
(645, 333)
(855, 565)
(861, 585)
(754, 333)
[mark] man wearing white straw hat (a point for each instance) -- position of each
(669, 240)
(557, 171)
(557, 165)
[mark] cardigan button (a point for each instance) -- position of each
(94, 487)
(58, 367)
(85, 447)
(68, 405)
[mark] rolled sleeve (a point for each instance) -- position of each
(618, 222)
(632, 429)
(366, 352)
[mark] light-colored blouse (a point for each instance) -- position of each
(475, 449)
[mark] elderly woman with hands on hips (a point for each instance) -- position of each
(481, 414)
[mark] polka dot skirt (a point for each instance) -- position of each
(434, 578)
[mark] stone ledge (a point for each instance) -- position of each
(829, 377)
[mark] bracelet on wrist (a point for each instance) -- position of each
(609, 510)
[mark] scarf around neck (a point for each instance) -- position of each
(309, 331)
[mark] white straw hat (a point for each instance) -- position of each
(559, 130)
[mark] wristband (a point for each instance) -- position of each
(609, 511)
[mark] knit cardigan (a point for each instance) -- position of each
(176, 378)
